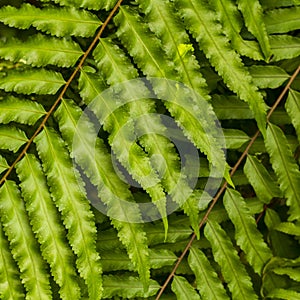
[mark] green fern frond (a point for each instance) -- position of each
(282, 20)
(289, 228)
(284, 294)
(232, 23)
(270, 77)
(24, 247)
(37, 81)
(247, 235)
(51, 20)
(292, 106)
(233, 271)
(73, 205)
(10, 283)
(260, 179)
(285, 168)
(253, 16)
(39, 50)
(149, 128)
(284, 46)
(21, 111)
(3, 164)
(183, 290)
(202, 23)
(163, 20)
(111, 189)
(208, 283)
(12, 138)
(89, 4)
(46, 225)
(127, 286)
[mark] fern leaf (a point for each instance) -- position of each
(10, 283)
(247, 235)
(46, 224)
(12, 138)
(127, 286)
(202, 23)
(293, 273)
(39, 81)
(284, 294)
(122, 140)
(131, 29)
(292, 106)
(233, 271)
(111, 189)
(116, 260)
(282, 20)
(89, 4)
(262, 182)
(235, 138)
(253, 16)
(285, 168)
(288, 228)
(21, 111)
(114, 63)
(39, 50)
(284, 46)
(74, 207)
(163, 20)
(60, 22)
(24, 247)
(268, 76)
(183, 290)
(208, 283)
(3, 164)
(232, 23)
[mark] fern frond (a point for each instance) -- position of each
(285, 168)
(253, 16)
(46, 225)
(282, 20)
(12, 138)
(293, 273)
(268, 76)
(289, 228)
(116, 260)
(73, 205)
(3, 164)
(232, 23)
(202, 23)
(127, 286)
(10, 283)
(38, 81)
(233, 271)
(89, 4)
(284, 294)
(140, 42)
(96, 164)
(21, 111)
(247, 235)
(235, 138)
(149, 128)
(122, 141)
(292, 106)
(24, 247)
(51, 20)
(163, 20)
(40, 50)
(208, 283)
(183, 290)
(260, 179)
(284, 46)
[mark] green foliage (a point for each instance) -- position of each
(72, 195)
